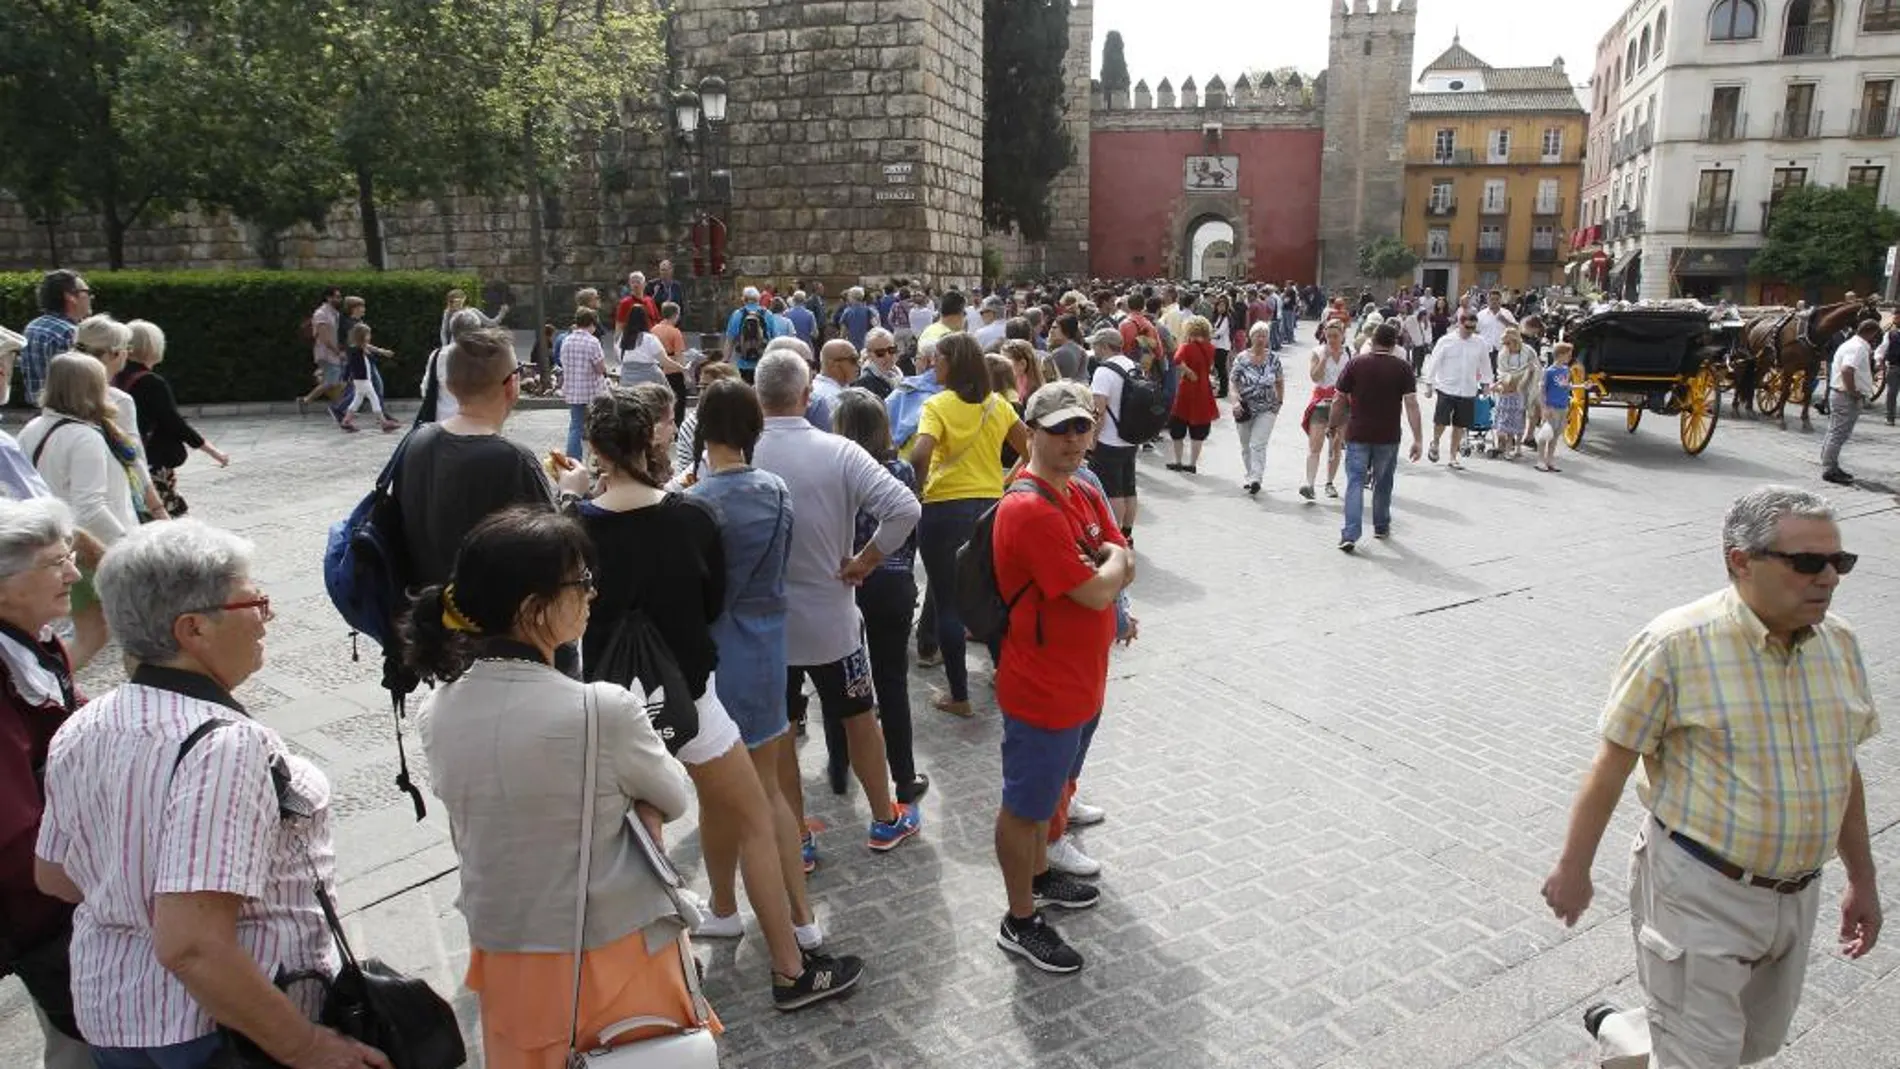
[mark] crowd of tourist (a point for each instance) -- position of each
(638, 618)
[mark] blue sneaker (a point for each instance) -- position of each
(808, 850)
(910, 821)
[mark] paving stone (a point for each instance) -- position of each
(1329, 814)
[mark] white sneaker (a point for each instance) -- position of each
(810, 936)
(1082, 814)
(1066, 857)
(713, 926)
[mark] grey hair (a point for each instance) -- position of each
(160, 572)
(26, 527)
(787, 342)
(464, 321)
(781, 379)
(101, 334)
(148, 342)
(875, 335)
(1753, 519)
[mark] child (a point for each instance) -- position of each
(1553, 398)
(357, 358)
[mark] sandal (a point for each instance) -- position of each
(1432, 454)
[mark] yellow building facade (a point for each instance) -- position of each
(1493, 168)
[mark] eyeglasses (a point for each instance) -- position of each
(261, 603)
(1068, 427)
(585, 582)
(885, 351)
(1813, 563)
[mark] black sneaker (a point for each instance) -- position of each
(824, 978)
(1838, 477)
(1062, 891)
(1346, 546)
(1038, 944)
(918, 788)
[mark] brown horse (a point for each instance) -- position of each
(1788, 346)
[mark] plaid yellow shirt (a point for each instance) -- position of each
(1748, 748)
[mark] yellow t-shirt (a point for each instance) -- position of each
(968, 459)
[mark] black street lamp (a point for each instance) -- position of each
(699, 191)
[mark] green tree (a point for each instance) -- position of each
(1826, 236)
(89, 111)
(1386, 258)
(1114, 68)
(1025, 144)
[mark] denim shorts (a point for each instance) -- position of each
(1039, 763)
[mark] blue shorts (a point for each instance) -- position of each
(1038, 764)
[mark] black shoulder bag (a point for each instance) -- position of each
(368, 1001)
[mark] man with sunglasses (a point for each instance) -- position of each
(1745, 708)
(1458, 371)
(881, 373)
(1060, 562)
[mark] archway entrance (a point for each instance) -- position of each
(1210, 249)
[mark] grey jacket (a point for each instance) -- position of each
(505, 744)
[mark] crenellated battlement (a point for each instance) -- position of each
(1242, 103)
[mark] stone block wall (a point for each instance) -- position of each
(1367, 101)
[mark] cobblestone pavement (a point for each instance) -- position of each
(1334, 783)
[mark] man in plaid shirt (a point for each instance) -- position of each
(65, 299)
(1744, 709)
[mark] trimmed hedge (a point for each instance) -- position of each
(237, 335)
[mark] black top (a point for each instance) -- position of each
(874, 382)
(448, 483)
(669, 561)
(168, 437)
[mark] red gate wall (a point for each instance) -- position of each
(1136, 202)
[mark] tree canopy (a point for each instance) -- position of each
(1114, 67)
(1826, 236)
(1386, 258)
(1025, 142)
(280, 109)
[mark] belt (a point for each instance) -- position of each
(1790, 885)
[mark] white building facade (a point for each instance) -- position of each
(1715, 108)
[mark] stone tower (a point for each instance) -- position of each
(1368, 89)
(1068, 244)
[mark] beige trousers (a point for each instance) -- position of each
(1721, 963)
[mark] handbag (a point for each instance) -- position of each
(690, 1046)
(368, 1001)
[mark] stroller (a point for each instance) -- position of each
(1481, 436)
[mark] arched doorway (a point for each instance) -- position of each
(1210, 248)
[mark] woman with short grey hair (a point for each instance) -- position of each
(37, 694)
(200, 873)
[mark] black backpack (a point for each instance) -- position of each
(980, 602)
(637, 658)
(1143, 411)
(752, 333)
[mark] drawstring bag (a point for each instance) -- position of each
(637, 658)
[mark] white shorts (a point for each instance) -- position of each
(717, 732)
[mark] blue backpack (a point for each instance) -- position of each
(366, 573)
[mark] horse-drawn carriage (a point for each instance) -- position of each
(1663, 360)
(1779, 354)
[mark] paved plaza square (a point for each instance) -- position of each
(1334, 783)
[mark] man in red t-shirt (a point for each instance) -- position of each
(1060, 561)
(636, 291)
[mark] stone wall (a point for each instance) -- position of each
(1367, 99)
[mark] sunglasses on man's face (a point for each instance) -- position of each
(1071, 426)
(1813, 563)
(884, 351)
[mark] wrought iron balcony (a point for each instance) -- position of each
(1438, 209)
(1874, 122)
(1716, 218)
(1543, 207)
(1797, 125)
(1544, 254)
(1809, 40)
(1489, 206)
(1490, 254)
(1724, 126)
(1439, 253)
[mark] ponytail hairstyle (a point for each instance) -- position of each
(510, 570)
(623, 426)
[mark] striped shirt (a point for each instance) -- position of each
(1748, 747)
(583, 368)
(126, 828)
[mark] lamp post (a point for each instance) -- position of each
(699, 191)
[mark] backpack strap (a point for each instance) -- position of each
(47, 437)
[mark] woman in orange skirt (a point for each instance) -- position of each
(506, 738)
